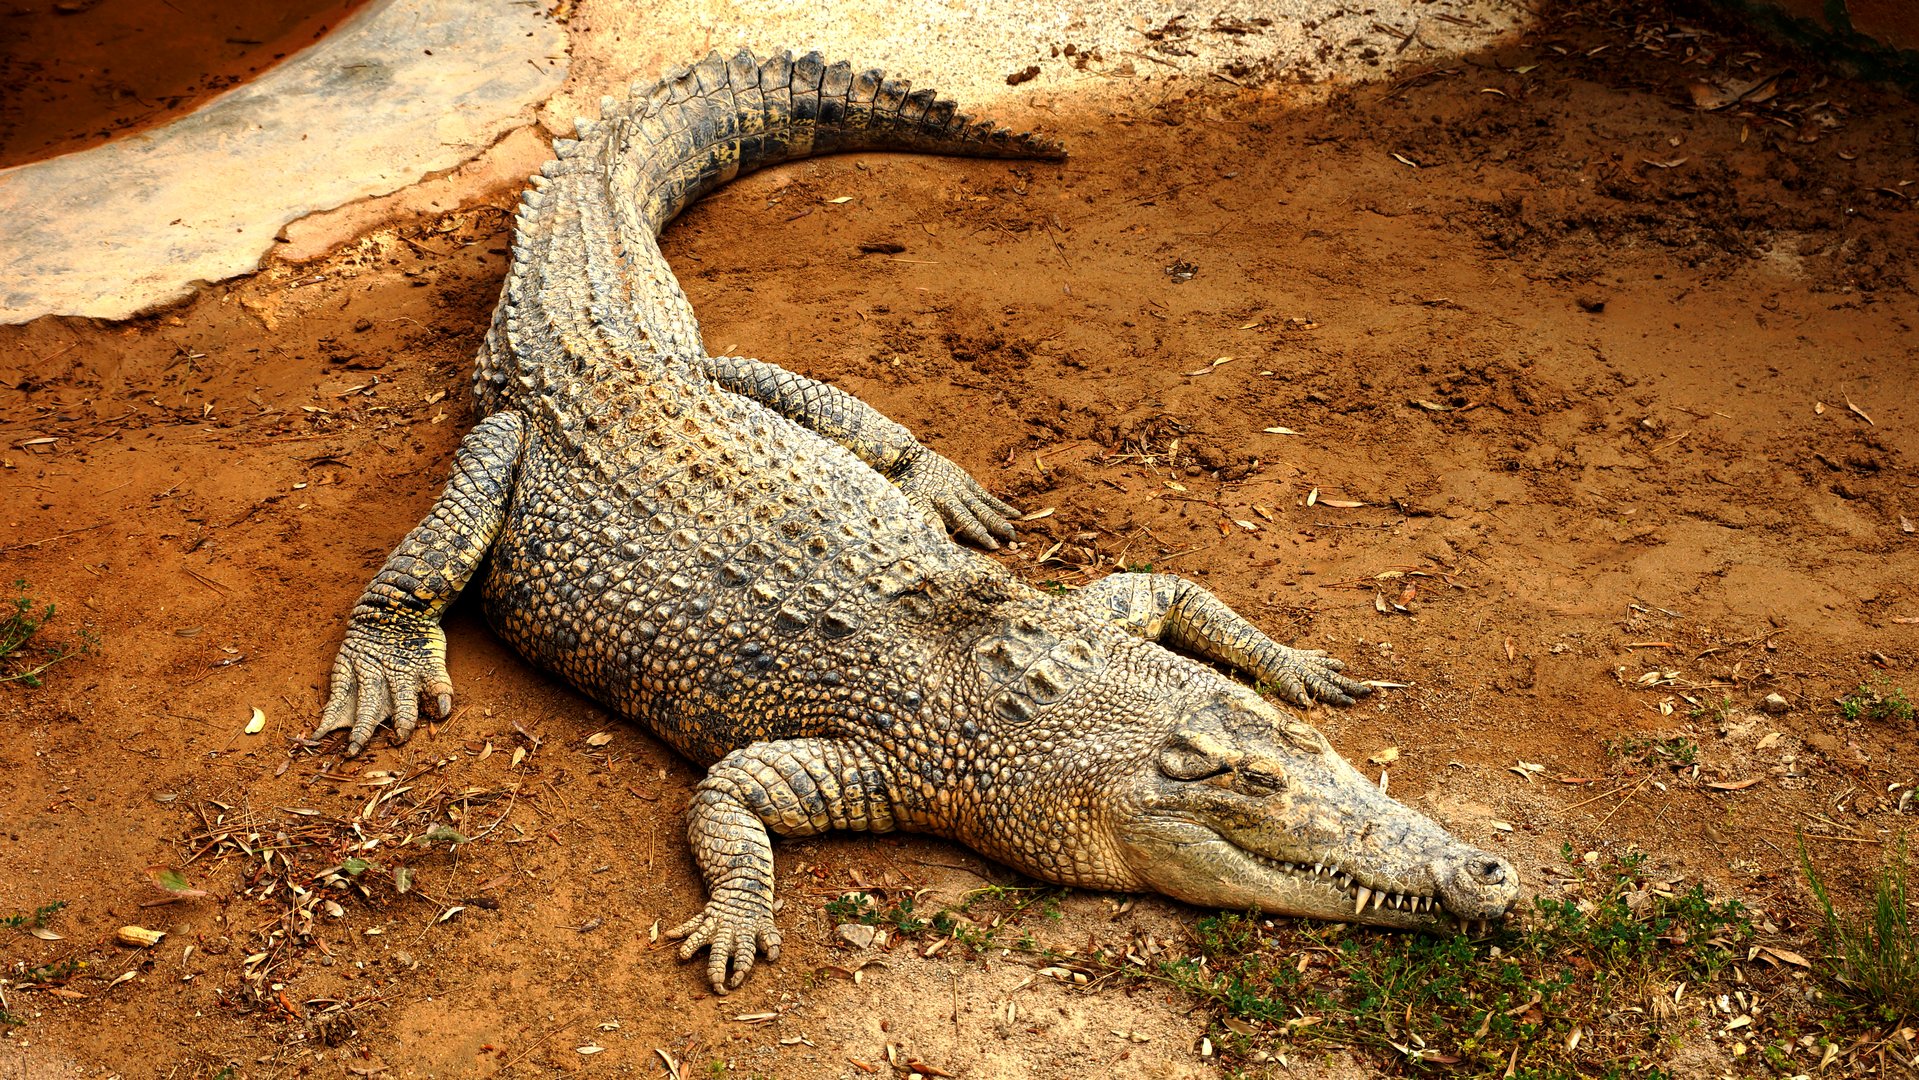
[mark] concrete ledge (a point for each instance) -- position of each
(406, 89)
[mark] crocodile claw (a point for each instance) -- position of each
(946, 492)
(737, 928)
(1306, 676)
(382, 672)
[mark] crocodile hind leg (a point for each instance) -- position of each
(794, 787)
(941, 490)
(395, 650)
(1181, 615)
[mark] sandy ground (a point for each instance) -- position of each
(1609, 394)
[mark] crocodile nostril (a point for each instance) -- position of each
(1492, 872)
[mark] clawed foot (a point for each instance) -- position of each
(737, 926)
(1306, 676)
(968, 510)
(382, 671)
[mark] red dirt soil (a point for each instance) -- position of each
(1598, 410)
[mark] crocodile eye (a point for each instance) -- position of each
(1259, 777)
(1194, 757)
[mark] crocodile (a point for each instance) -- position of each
(762, 570)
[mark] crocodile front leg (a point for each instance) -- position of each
(941, 490)
(794, 787)
(1181, 615)
(395, 650)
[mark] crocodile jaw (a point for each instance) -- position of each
(1247, 808)
(1436, 892)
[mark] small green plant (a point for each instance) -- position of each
(1678, 752)
(52, 974)
(32, 920)
(18, 628)
(859, 907)
(1714, 712)
(1877, 699)
(1875, 960)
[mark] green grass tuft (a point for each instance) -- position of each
(1591, 964)
(1874, 960)
(18, 628)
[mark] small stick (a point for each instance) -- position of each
(1627, 799)
(51, 539)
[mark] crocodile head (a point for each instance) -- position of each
(1244, 807)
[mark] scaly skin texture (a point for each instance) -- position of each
(757, 568)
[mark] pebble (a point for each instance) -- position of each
(1774, 704)
(858, 935)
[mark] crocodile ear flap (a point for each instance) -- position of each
(1195, 755)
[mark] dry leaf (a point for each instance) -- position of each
(1279, 431)
(1209, 368)
(1819, 408)
(450, 912)
(599, 738)
(1404, 160)
(1312, 497)
(1788, 956)
(1386, 756)
(519, 755)
(1672, 164)
(257, 723)
(1343, 504)
(1433, 406)
(1247, 525)
(1176, 485)
(1735, 785)
(1037, 514)
(45, 934)
(1709, 97)
(841, 199)
(1861, 413)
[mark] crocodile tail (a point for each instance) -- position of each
(702, 126)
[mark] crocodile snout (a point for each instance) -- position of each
(1480, 885)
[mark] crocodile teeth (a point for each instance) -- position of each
(1378, 898)
(1359, 905)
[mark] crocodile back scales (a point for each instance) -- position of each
(685, 555)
